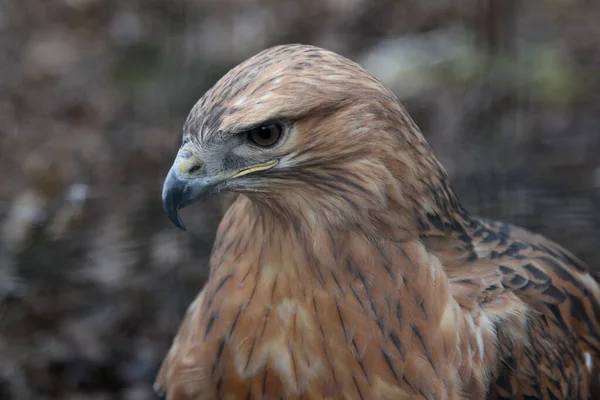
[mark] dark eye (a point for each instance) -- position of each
(265, 135)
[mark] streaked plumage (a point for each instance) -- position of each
(347, 268)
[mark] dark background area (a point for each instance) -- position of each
(94, 280)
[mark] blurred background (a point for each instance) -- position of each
(94, 280)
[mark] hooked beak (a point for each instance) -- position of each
(180, 191)
(187, 183)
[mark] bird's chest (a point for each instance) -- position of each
(267, 334)
(275, 336)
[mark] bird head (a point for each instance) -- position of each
(303, 131)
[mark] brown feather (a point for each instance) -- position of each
(351, 271)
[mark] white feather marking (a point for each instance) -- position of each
(589, 363)
(480, 343)
(282, 363)
(240, 101)
(485, 325)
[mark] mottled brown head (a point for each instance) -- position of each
(307, 133)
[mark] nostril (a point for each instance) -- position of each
(194, 169)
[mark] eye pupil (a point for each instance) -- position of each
(265, 135)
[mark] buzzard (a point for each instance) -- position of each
(346, 267)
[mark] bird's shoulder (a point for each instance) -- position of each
(544, 304)
(540, 272)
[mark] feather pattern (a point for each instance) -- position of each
(351, 271)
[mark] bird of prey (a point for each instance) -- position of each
(346, 267)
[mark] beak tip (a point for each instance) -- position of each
(174, 191)
(179, 223)
(173, 215)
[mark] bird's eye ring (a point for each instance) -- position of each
(265, 135)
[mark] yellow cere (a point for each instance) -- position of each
(183, 166)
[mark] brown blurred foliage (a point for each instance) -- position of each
(93, 94)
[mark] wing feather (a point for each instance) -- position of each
(552, 351)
